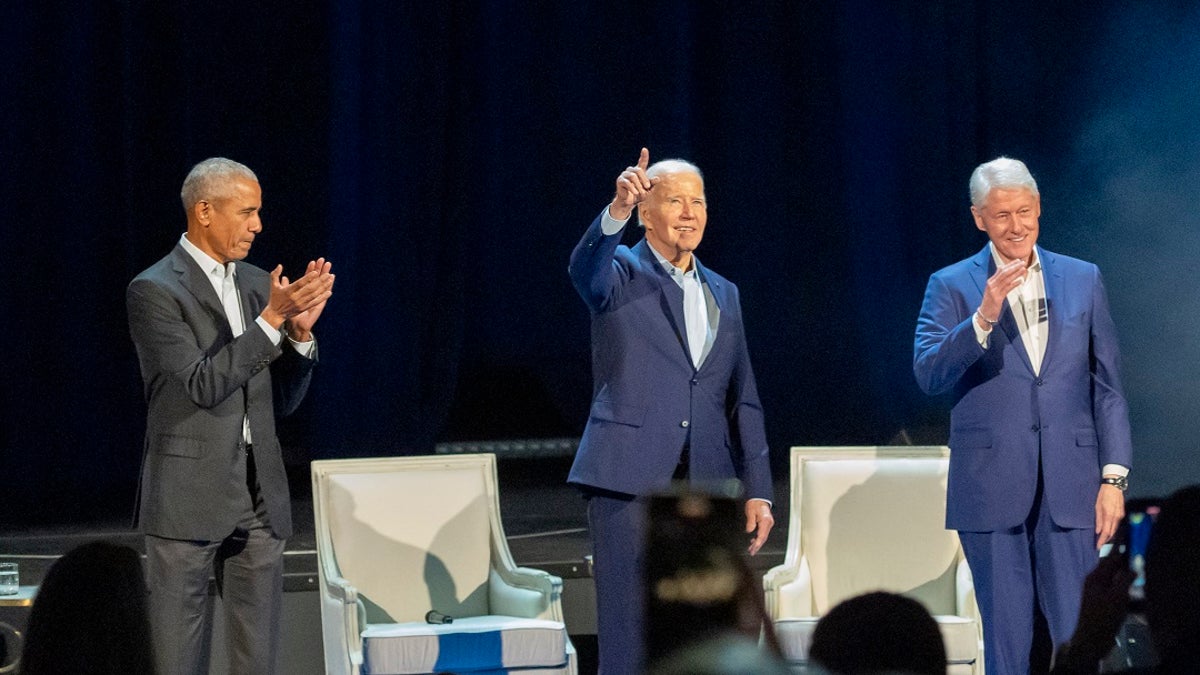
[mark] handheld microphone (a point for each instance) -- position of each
(434, 616)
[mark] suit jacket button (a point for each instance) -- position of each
(683, 424)
(1040, 381)
(1035, 428)
(695, 381)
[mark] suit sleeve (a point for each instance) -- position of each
(1110, 410)
(290, 375)
(594, 270)
(945, 345)
(747, 426)
(167, 346)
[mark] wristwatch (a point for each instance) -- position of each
(1120, 482)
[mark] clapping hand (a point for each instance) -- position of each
(299, 302)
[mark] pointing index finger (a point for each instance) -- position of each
(644, 159)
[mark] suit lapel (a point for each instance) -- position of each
(195, 280)
(670, 295)
(713, 296)
(983, 268)
(1009, 323)
(249, 303)
(1055, 292)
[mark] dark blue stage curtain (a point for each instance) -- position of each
(447, 156)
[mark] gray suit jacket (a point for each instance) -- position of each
(199, 383)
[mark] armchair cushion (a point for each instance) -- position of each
(471, 644)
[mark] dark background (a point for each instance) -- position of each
(446, 156)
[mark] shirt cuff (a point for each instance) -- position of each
(981, 335)
(304, 349)
(760, 499)
(1115, 470)
(272, 334)
(609, 225)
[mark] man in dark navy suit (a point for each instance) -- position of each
(1023, 341)
(673, 394)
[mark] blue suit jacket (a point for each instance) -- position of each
(1073, 412)
(647, 397)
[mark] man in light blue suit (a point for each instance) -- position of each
(1023, 342)
(673, 394)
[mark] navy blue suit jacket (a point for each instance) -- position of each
(647, 398)
(1073, 413)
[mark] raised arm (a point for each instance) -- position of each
(593, 271)
(945, 344)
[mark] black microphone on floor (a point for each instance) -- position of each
(434, 616)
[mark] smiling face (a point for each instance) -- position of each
(224, 227)
(674, 216)
(1010, 218)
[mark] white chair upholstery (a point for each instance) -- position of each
(398, 537)
(865, 519)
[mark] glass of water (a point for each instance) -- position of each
(9, 580)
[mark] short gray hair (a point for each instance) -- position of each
(667, 166)
(211, 178)
(1002, 172)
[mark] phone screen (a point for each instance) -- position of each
(1139, 520)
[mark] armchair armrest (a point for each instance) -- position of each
(788, 590)
(344, 626)
(525, 592)
(964, 591)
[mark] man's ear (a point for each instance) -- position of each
(203, 212)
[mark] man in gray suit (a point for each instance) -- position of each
(223, 347)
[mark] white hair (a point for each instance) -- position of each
(1002, 172)
(211, 179)
(665, 167)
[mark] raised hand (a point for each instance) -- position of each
(300, 326)
(291, 299)
(633, 186)
(1007, 277)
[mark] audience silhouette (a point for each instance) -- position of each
(879, 632)
(704, 605)
(89, 616)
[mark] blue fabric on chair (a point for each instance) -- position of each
(469, 645)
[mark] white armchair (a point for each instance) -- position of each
(865, 519)
(398, 537)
